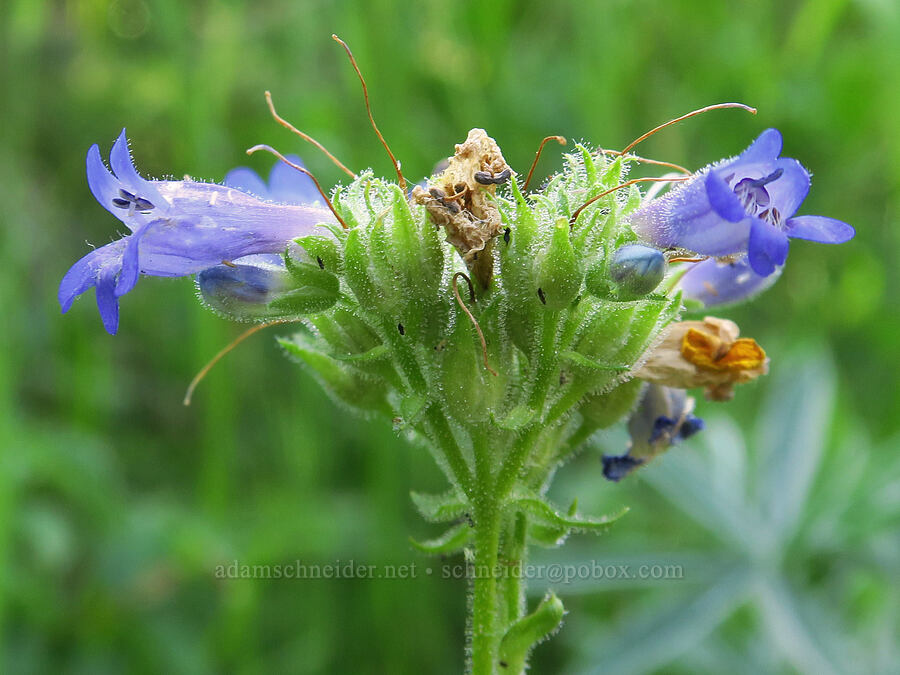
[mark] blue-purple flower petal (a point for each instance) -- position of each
(246, 179)
(108, 301)
(179, 228)
(715, 283)
(102, 183)
(820, 228)
(764, 149)
(131, 263)
(788, 192)
(289, 186)
(722, 198)
(768, 247)
(685, 218)
(122, 165)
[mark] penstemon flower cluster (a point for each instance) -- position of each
(500, 327)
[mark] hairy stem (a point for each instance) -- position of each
(485, 628)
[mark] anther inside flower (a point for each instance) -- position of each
(180, 228)
(742, 205)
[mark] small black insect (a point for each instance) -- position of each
(541, 296)
(401, 329)
(321, 264)
(506, 235)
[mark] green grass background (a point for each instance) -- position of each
(117, 503)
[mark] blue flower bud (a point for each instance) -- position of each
(243, 291)
(636, 269)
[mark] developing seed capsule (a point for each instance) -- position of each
(637, 269)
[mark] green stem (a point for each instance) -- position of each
(485, 624)
(513, 585)
(515, 458)
(442, 435)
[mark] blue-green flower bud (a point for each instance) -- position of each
(636, 270)
(262, 291)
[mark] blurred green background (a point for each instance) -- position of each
(117, 503)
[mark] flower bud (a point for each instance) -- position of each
(636, 269)
(243, 292)
(558, 273)
(632, 272)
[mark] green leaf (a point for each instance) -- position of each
(453, 540)
(543, 513)
(528, 631)
(442, 508)
(547, 537)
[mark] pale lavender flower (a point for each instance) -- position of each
(662, 418)
(741, 205)
(177, 228)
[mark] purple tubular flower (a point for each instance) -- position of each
(178, 228)
(724, 283)
(740, 205)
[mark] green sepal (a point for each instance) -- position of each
(337, 200)
(453, 540)
(376, 353)
(603, 410)
(411, 406)
(443, 508)
(311, 274)
(590, 167)
(528, 631)
(585, 362)
(306, 299)
(322, 251)
(558, 279)
(356, 270)
(517, 418)
(343, 384)
(612, 176)
(469, 390)
(405, 241)
(516, 252)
